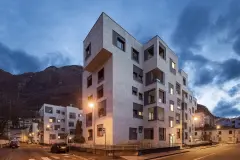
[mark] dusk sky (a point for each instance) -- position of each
(204, 34)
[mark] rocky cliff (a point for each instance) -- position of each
(22, 95)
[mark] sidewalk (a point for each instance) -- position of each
(155, 155)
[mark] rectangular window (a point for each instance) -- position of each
(135, 55)
(171, 88)
(89, 81)
(171, 122)
(178, 133)
(230, 132)
(192, 110)
(195, 133)
(52, 136)
(72, 131)
(137, 111)
(184, 81)
(102, 106)
(88, 119)
(150, 97)
(101, 75)
(140, 129)
(132, 133)
(190, 129)
(178, 88)
(190, 98)
(186, 116)
(52, 119)
(63, 113)
(151, 114)
(148, 133)
(171, 105)
(172, 66)
(72, 115)
(162, 134)
(62, 120)
(100, 132)
(134, 91)
(162, 96)
(56, 127)
(160, 113)
(71, 124)
(185, 125)
(186, 135)
(162, 52)
(140, 96)
(178, 103)
(137, 74)
(149, 53)
(90, 135)
(177, 118)
(100, 92)
(118, 41)
(63, 129)
(88, 51)
(48, 109)
(58, 111)
(90, 98)
(61, 136)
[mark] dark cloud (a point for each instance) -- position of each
(225, 108)
(205, 76)
(16, 61)
(192, 24)
(234, 90)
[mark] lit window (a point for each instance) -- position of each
(50, 120)
(139, 113)
(171, 123)
(171, 107)
(173, 65)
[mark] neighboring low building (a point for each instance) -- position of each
(221, 135)
(58, 123)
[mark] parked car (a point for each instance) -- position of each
(14, 144)
(59, 147)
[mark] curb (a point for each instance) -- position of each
(166, 155)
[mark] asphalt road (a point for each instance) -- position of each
(224, 152)
(31, 152)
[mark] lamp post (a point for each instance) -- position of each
(218, 127)
(92, 105)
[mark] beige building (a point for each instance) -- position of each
(132, 92)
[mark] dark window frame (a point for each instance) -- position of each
(132, 133)
(100, 92)
(147, 54)
(101, 75)
(89, 81)
(88, 51)
(162, 134)
(136, 53)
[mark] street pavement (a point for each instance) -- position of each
(31, 152)
(221, 152)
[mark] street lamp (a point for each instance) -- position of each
(195, 118)
(92, 105)
(218, 126)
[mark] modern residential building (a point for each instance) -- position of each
(58, 123)
(134, 92)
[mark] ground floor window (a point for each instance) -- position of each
(162, 134)
(52, 136)
(148, 133)
(90, 134)
(132, 133)
(178, 133)
(100, 130)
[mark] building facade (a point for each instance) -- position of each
(204, 118)
(136, 92)
(229, 122)
(58, 123)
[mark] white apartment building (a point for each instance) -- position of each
(138, 92)
(58, 123)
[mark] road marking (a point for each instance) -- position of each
(55, 157)
(45, 158)
(204, 156)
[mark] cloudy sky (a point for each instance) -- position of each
(205, 35)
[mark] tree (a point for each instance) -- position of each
(79, 133)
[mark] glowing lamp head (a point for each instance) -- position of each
(48, 126)
(195, 118)
(218, 127)
(58, 137)
(90, 105)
